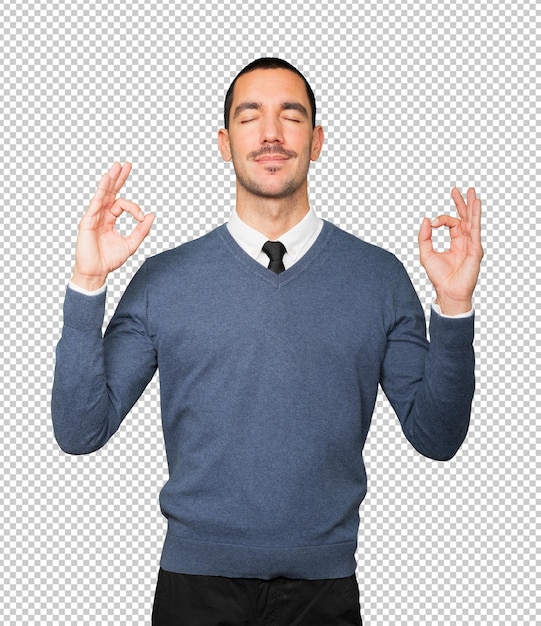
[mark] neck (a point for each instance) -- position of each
(272, 216)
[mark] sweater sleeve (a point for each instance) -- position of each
(429, 385)
(99, 378)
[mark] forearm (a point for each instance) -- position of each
(98, 380)
(80, 403)
(439, 417)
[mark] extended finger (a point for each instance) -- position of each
(105, 192)
(471, 195)
(121, 178)
(459, 202)
(476, 225)
(114, 169)
(471, 200)
(114, 172)
(425, 239)
(476, 214)
(98, 199)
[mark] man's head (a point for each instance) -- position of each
(270, 135)
(268, 63)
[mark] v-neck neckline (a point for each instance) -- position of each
(277, 280)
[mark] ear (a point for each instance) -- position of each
(318, 137)
(223, 144)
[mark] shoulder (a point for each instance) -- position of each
(353, 249)
(181, 266)
(191, 252)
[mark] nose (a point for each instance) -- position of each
(271, 130)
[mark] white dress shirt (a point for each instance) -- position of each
(297, 241)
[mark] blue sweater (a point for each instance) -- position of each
(268, 383)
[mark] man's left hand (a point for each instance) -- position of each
(454, 272)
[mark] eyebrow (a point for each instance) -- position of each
(285, 106)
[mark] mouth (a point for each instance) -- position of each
(271, 154)
(271, 158)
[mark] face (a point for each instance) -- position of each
(270, 138)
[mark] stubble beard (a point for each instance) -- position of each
(288, 189)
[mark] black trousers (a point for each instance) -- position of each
(186, 600)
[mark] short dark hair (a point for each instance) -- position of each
(267, 63)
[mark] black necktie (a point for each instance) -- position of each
(275, 250)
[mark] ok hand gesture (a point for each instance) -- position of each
(100, 248)
(454, 272)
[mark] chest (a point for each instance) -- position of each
(225, 325)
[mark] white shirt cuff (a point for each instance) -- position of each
(437, 308)
(86, 292)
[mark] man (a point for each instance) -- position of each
(272, 334)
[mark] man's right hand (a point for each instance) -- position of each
(100, 248)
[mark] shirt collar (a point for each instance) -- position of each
(295, 239)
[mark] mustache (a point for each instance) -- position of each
(265, 150)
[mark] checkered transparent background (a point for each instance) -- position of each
(415, 98)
